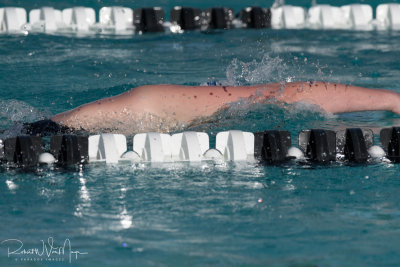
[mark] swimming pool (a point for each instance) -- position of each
(206, 213)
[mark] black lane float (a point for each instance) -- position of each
(354, 144)
(70, 149)
(23, 150)
(319, 146)
(256, 17)
(187, 18)
(149, 19)
(219, 18)
(390, 140)
(272, 146)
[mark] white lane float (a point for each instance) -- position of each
(12, 20)
(388, 17)
(358, 16)
(153, 147)
(116, 19)
(235, 145)
(189, 146)
(79, 19)
(107, 147)
(288, 17)
(325, 17)
(45, 19)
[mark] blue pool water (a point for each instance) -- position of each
(182, 214)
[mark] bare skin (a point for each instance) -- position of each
(184, 104)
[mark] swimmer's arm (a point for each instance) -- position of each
(172, 102)
(186, 103)
(339, 98)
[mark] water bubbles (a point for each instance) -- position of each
(289, 79)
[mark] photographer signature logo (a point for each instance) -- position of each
(46, 251)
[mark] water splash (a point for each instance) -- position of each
(269, 69)
(19, 111)
(13, 113)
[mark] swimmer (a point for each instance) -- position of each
(163, 108)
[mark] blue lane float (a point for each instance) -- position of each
(124, 20)
(317, 146)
